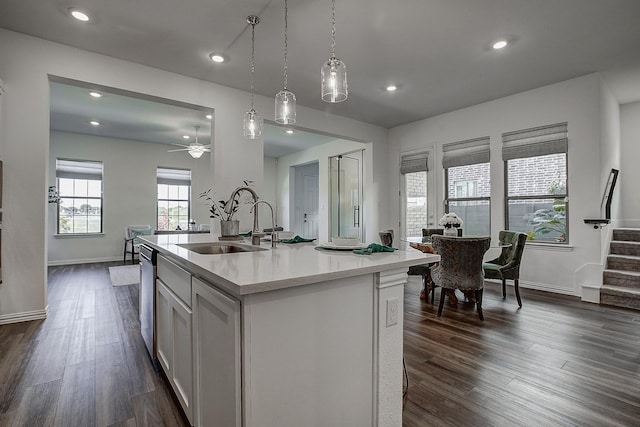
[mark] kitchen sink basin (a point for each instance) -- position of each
(214, 248)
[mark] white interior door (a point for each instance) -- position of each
(304, 212)
(310, 206)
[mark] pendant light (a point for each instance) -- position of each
(334, 71)
(252, 124)
(285, 99)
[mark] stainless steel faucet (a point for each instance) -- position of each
(274, 233)
(228, 207)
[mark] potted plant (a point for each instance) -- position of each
(225, 210)
(451, 222)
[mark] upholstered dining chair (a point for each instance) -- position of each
(429, 286)
(131, 241)
(460, 266)
(507, 265)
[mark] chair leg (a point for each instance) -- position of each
(504, 288)
(433, 292)
(124, 257)
(517, 287)
(442, 292)
(479, 303)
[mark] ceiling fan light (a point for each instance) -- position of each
(334, 81)
(252, 125)
(196, 152)
(285, 107)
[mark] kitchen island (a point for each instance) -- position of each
(282, 337)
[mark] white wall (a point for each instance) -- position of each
(129, 185)
(630, 170)
(269, 193)
(372, 213)
(25, 66)
(575, 101)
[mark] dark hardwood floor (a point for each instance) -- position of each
(86, 364)
(555, 362)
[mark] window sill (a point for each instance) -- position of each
(559, 247)
(73, 236)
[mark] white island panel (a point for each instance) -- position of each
(308, 355)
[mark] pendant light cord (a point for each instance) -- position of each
(333, 28)
(286, 11)
(253, 68)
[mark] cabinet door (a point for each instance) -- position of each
(163, 327)
(175, 351)
(182, 373)
(216, 337)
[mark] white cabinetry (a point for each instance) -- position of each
(216, 339)
(173, 317)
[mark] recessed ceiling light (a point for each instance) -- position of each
(392, 88)
(209, 116)
(79, 15)
(500, 44)
(289, 131)
(94, 123)
(185, 137)
(95, 94)
(217, 57)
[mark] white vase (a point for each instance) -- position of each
(450, 232)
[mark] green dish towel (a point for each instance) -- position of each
(297, 239)
(374, 247)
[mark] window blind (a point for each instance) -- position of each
(78, 169)
(174, 176)
(414, 162)
(467, 152)
(538, 141)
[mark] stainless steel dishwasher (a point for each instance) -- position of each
(148, 262)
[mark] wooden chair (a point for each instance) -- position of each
(507, 265)
(460, 266)
(131, 242)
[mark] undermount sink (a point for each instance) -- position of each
(214, 248)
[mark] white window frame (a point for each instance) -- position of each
(538, 142)
(79, 170)
(173, 177)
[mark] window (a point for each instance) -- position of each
(468, 184)
(536, 182)
(413, 168)
(174, 198)
(80, 190)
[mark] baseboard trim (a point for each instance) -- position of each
(25, 316)
(591, 293)
(83, 261)
(536, 286)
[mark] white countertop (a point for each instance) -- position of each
(286, 266)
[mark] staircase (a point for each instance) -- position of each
(621, 278)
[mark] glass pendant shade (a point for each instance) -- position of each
(334, 81)
(285, 107)
(252, 124)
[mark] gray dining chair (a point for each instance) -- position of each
(460, 266)
(507, 265)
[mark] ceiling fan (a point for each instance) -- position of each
(195, 149)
